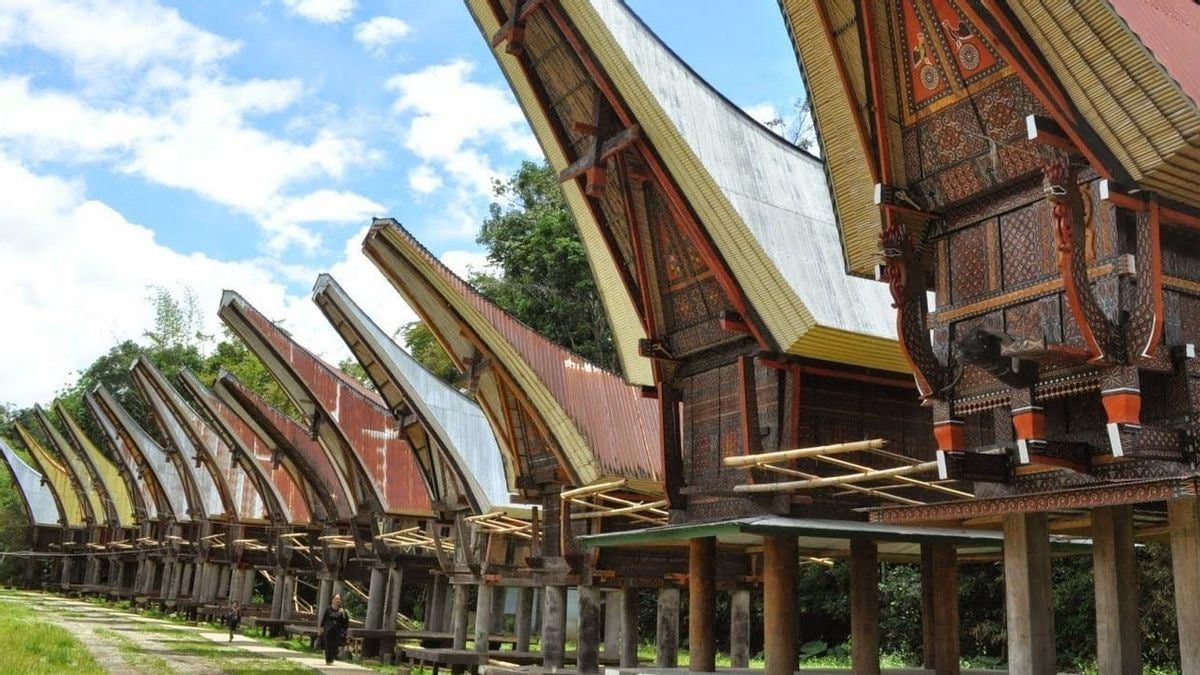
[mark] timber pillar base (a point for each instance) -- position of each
(1028, 594)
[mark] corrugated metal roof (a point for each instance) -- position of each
(123, 429)
(461, 430)
(58, 479)
(109, 473)
(279, 488)
(763, 202)
(99, 504)
(359, 416)
(40, 503)
(281, 434)
(148, 496)
(211, 498)
(1170, 30)
(603, 426)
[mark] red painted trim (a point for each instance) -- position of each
(639, 255)
(844, 76)
(882, 158)
(1156, 278)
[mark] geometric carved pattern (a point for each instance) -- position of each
(1028, 245)
(968, 264)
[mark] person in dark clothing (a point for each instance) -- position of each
(334, 624)
(234, 618)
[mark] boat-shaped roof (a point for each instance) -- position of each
(41, 504)
(115, 486)
(58, 479)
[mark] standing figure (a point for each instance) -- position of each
(334, 624)
(234, 618)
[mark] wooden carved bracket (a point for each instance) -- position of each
(906, 280)
(1067, 214)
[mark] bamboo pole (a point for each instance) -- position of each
(592, 489)
(619, 512)
(784, 455)
(837, 480)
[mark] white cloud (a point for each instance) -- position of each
(765, 113)
(450, 120)
(329, 206)
(321, 11)
(75, 275)
(464, 263)
(381, 31)
(196, 135)
(97, 36)
(423, 179)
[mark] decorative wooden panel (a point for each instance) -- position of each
(968, 264)
(1028, 245)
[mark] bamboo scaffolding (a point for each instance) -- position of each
(873, 474)
(593, 489)
(801, 453)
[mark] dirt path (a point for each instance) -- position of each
(125, 642)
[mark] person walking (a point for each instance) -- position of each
(334, 624)
(234, 618)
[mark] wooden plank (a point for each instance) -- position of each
(702, 604)
(864, 606)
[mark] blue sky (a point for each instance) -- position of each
(240, 144)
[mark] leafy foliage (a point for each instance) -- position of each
(545, 279)
(424, 347)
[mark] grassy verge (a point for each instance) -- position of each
(32, 645)
(133, 654)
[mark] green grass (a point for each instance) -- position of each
(32, 645)
(133, 655)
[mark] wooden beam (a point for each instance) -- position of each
(610, 147)
(785, 455)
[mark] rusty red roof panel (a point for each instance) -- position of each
(620, 426)
(1170, 29)
(272, 476)
(293, 440)
(359, 414)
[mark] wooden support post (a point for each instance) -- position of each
(780, 560)
(277, 595)
(324, 595)
(500, 595)
(168, 578)
(484, 598)
(376, 597)
(940, 561)
(864, 606)
(460, 615)
(629, 631)
(435, 605)
(250, 577)
(395, 584)
(1184, 516)
(666, 639)
(524, 618)
(554, 625)
(588, 650)
(1028, 594)
(185, 580)
(1118, 639)
(226, 582)
(289, 596)
(739, 628)
(702, 604)
(612, 622)
(928, 581)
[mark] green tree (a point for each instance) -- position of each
(424, 347)
(233, 356)
(349, 366)
(544, 278)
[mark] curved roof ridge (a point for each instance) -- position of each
(108, 472)
(289, 437)
(157, 458)
(77, 467)
(610, 429)
(58, 479)
(41, 505)
(145, 489)
(462, 429)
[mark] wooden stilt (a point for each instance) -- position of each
(928, 660)
(484, 599)
(524, 618)
(395, 585)
(864, 606)
(588, 650)
(1184, 516)
(554, 625)
(779, 604)
(666, 640)
(629, 632)
(943, 564)
(1118, 639)
(739, 628)
(460, 615)
(702, 604)
(1028, 594)
(435, 605)
(612, 623)
(324, 595)
(376, 597)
